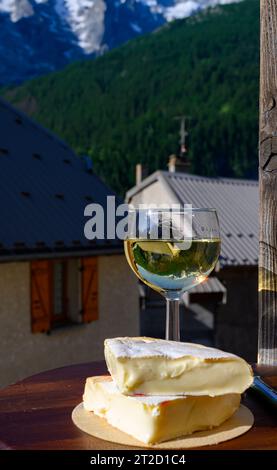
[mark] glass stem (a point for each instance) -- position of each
(172, 320)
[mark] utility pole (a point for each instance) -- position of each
(267, 348)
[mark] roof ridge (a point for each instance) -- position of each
(218, 179)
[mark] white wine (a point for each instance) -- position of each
(172, 266)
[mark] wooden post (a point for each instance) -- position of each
(267, 347)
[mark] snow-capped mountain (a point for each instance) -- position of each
(38, 36)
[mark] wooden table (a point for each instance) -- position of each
(36, 414)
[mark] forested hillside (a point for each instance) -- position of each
(120, 108)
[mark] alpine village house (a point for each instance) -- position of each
(61, 294)
(228, 300)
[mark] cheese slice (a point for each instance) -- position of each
(159, 367)
(156, 419)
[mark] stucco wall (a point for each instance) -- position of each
(23, 353)
(157, 192)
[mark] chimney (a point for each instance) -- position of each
(178, 164)
(141, 173)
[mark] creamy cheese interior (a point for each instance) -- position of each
(155, 419)
(159, 367)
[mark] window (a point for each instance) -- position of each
(63, 292)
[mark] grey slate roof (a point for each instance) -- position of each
(237, 204)
(44, 187)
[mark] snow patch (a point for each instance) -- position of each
(86, 19)
(185, 8)
(17, 9)
(153, 6)
(181, 10)
(135, 27)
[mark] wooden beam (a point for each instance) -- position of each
(267, 348)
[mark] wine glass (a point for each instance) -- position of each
(171, 251)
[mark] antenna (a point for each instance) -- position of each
(183, 133)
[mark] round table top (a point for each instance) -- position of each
(36, 414)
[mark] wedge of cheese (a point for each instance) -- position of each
(156, 419)
(159, 367)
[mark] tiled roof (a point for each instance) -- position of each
(44, 189)
(237, 204)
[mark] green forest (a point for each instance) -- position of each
(119, 109)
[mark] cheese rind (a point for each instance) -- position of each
(159, 367)
(156, 419)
